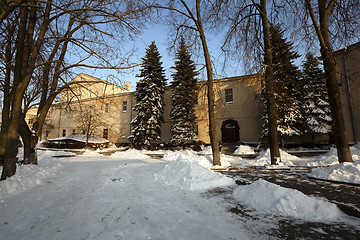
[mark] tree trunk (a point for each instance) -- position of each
(29, 141)
(341, 140)
(5, 116)
(211, 94)
(23, 70)
(6, 8)
(322, 31)
(11, 146)
(269, 86)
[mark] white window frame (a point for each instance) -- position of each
(227, 94)
(124, 106)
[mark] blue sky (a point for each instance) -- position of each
(160, 35)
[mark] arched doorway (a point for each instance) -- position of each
(230, 131)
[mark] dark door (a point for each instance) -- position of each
(230, 131)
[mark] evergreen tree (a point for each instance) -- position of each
(183, 99)
(149, 98)
(315, 105)
(287, 94)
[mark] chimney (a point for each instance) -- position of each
(127, 86)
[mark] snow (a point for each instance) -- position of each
(130, 154)
(115, 197)
(130, 195)
(343, 172)
(264, 158)
(81, 138)
(330, 158)
(272, 199)
(188, 173)
(206, 150)
(28, 177)
(244, 149)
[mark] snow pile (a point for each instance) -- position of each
(63, 154)
(91, 154)
(206, 150)
(173, 155)
(130, 154)
(187, 172)
(265, 159)
(343, 172)
(204, 161)
(272, 199)
(244, 149)
(331, 158)
(28, 176)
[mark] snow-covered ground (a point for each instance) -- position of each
(130, 195)
(326, 166)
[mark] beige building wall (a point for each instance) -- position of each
(245, 109)
(112, 113)
(111, 105)
(348, 72)
(84, 86)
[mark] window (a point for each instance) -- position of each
(107, 108)
(75, 111)
(46, 134)
(85, 110)
(65, 114)
(230, 125)
(89, 93)
(64, 133)
(73, 132)
(124, 106)
(228, 95)
(106, 133)
(31, 121)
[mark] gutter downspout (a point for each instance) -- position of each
(349, 96)
(131, 109)
(59, 120)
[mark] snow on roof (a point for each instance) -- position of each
(81, 138)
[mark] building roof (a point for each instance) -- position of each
(347, 48)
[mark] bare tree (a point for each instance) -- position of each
(89, 121)
(269, 80)
(46, 32)
(27, 50)
(193, 21)
(6, 72)
(334, 22)
(7, 7)
(326, 10)
(246, 26)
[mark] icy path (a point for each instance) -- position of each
(117, 199)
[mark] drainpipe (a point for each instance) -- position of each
(349, 96)
(131, 109)
(59, 120)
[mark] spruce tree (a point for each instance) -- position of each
(286, 76)
(315, 105)
(149, 98)
(183, 99)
